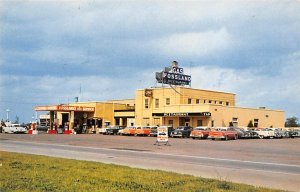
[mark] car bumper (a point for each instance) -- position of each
(216, 137)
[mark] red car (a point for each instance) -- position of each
(144, 131)
(200, 133)
(225, 133)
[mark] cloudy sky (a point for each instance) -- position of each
(49, 49)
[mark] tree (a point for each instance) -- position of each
(250, 124)
(292, 122)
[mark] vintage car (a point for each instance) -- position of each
(279, 133)
(182, 131)
(243, 134)
(153, 132)
(295, 133)
(113, 130)
(14, 128)
(225, 133)
(129, 130)
(200, 133)
(144, 130)
(103, 130)
(265, 133)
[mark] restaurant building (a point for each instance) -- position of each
(170, 104)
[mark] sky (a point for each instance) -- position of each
(50, 50)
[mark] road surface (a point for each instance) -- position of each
(277, 174)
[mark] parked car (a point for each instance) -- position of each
(242, 134)
(14, 128)
(253, 134)
(225, 133)
(265, 133)
(295, 133)
(200, 132)
(182, 131)
(153, 132)
(103, 130)
(144, 130)
(279, 133)
(113, 130)
(129, 130)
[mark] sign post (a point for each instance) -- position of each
(162, 136)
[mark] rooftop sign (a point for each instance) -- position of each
(173, 75)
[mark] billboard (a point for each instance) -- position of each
(173, 75)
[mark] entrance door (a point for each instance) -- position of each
(65, 118)
(183, 121)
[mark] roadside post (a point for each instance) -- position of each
(162, 136)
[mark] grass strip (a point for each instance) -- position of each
(22, 172)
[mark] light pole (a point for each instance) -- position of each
(7, 115)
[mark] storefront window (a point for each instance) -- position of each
(197, 101)
(189, 101)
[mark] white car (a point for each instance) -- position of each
(265, 133)
(14, 128)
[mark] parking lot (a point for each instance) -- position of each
(266, 150)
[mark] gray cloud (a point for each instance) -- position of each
(45, 45)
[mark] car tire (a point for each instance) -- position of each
(261, 136)
(235, 137)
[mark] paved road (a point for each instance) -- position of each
(274, 174)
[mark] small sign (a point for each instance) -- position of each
(148, 92)
(162, 134)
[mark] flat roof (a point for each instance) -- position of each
(188, 88)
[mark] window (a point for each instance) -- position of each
(215, 102)
(209, 101)
(146, 103)
(220, 102)
(234, 121)
(204, 101)
(197, 101)
(167, 101)
(189, 101)
(255, 122)
(156, 103)
(227, 103)
(212, 123)
(199, 123)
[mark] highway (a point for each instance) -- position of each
(279, 175)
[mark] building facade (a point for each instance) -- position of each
(194, 107)
(174, 105)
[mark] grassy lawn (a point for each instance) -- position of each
(21, 172)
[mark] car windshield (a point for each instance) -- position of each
(221, 129)
(199, 128)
